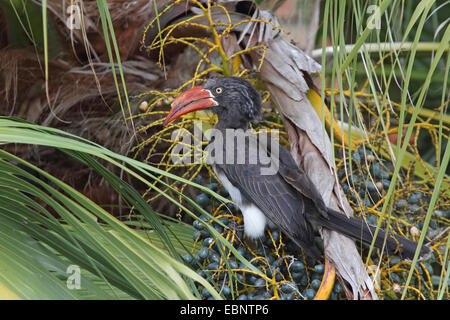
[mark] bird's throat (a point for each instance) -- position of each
(231, 123)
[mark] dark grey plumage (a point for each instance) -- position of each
(288, 198)
(240, 94)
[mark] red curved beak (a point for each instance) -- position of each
(191, 100)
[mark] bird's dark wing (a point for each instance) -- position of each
(331, 219)
(298, 178)
(278, 200)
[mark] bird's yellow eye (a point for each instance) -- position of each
(219, 90)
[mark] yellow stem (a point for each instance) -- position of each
(339, 134)
(226, 68)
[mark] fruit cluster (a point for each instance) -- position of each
(282, 271)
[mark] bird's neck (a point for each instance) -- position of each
(231, 123)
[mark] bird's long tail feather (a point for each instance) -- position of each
(361, 231)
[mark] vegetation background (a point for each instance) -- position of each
(84, 173)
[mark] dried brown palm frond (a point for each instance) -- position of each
(75, 99)
(77, 105)
(83, 96)
(21, 81)
(128, 18)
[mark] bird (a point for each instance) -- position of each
(286, 197)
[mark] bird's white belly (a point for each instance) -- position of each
(234, 192)
(254, 219)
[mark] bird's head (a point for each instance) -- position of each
(233, 99)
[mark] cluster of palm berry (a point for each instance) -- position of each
(365, 186)
(281, 271)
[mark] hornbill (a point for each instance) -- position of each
(285, 197)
